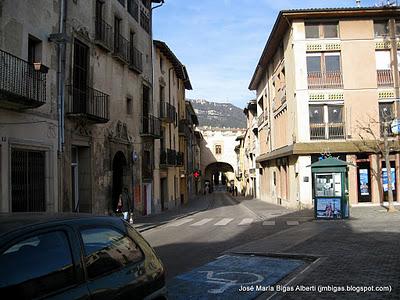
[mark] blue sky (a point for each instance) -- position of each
(220, 41)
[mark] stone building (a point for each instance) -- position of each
(95, 108)
(251, 151)
(324, 74)
(108, 103)
(171, 80)
(28, 107)
(218, 156)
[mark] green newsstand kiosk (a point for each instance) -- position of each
(330, 189)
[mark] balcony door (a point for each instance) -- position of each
(326, 122)
(80, 77)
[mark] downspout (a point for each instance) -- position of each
(169, 101)
(61, 77)
(151, 50)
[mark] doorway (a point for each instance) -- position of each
(164, 193)
(119, 174)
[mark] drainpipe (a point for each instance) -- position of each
(169, 101)
(151, 49)
(61, 76)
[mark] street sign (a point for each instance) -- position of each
(395, 126)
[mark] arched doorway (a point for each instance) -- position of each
(119, 173)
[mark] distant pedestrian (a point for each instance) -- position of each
(126, 203)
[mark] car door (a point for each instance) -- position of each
(114, 263)
(41, 264)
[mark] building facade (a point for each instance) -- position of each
(170, 83)
(75, 136)
(28, 107)
(326, 76)
(251, 151)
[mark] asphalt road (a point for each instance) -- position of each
(195, 240)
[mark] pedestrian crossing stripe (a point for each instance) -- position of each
(179, 223)
(246, 221)
(223, 222)
(226, 221)
(202, 222)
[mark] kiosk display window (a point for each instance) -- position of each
(328, 185)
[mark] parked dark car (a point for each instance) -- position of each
(75, 256)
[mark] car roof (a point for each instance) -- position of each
(14, 221)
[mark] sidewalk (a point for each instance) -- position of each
(266, 211)
(363, 251)
(196, 204)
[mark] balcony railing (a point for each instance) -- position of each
(327, 131)
(260, 119)
(121, 48)
(150, 126)
(167, 158)
(385, 78)
(179, 159)
(167, 112)
(328, 80)
(135, 60)
(184, 129)
(103, 34)
(21, 85)
(89, 104)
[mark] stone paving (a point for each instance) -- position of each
(362, 252)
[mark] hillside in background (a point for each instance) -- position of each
(219, 114)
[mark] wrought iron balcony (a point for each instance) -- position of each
(184, 129)
(22, 84)
(385, 78)
(180, 159)
(121, 48)
(103, 34)
(167, 158)
(325, 80)
(327, 131)
(150, 126)
(260, 119)
(135, 60)
(167, 112)
(89, 104)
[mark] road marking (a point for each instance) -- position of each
(223, 222)
(269, 223)
(292, 223)
(202, 222)
(179, 223)
(246, 221)
(226, 283)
